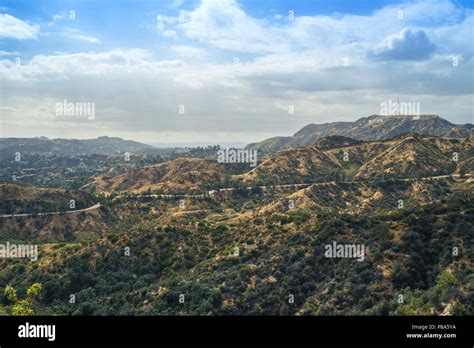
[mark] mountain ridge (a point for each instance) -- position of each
(103, 145)
(373, 127)
(406, 155)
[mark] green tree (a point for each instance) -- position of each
(25, 306)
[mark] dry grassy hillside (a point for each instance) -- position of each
(406, 156)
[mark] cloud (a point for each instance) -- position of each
(409, 44)
(14, 28)
(281, 62)
(177, 3)
(6, 53)
(162, 22)
(68, 66)
(58, 17)
(222, 24)
(77, 35)
(188, 51)
(225, 25)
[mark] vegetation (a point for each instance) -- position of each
(22, 307)
(255, 250)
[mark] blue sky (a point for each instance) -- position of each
(236, 66)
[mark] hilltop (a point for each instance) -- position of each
(405, 156)
(375, 127)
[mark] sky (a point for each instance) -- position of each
(227, 71)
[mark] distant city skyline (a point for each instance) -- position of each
(224, 72)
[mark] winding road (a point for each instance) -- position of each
(92, 207)
(212, 192)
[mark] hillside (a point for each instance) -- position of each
(369, 128)
(405, 156)
(280, 252)
(23, 199)
(190, 174)
(68, 147)
(236, 240)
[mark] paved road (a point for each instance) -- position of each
(212, 192)
(333, 182)
(95, 206)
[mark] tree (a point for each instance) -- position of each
(23, 307)
(446, 279)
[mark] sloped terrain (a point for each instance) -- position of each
(240, 241)
(408, 252)
(370, 128)
(405, 156)
(189, 174)
(300, 165)
(68, 147)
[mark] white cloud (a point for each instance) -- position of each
(177, 3)
(66, 66)
(189, 52)
(222, 24)
(6, 53)
(58, 17)
(297, 62)
(162, 22)
(77, 35)
(14, 28)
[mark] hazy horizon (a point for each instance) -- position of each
(162, 145)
